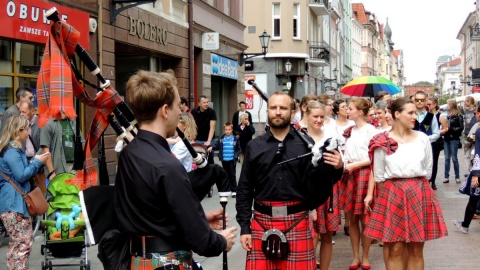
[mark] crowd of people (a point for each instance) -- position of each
(291, 191)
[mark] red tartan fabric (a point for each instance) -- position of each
(406, 210)
(54, 84)
(385, 142)
(300, 240)
(348, 132)
(353, 190)
(329, 221)
(55, 89)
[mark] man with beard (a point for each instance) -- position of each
(282, 194)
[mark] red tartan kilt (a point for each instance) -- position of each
(353, 190)
(406, 210)
(329, 222)
(301, 255)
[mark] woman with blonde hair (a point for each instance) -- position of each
(186, 123)
(13, 209)
(451, 141)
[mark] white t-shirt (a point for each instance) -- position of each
(356, 147)
(181, 153)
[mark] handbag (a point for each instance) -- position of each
(37, 205)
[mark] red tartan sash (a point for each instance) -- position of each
(385, 142)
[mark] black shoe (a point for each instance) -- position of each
(434, 187)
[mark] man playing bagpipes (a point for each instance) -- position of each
(283, 185)
(154, 201)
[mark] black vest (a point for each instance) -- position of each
(426, 125)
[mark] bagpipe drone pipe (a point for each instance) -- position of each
(321, 189)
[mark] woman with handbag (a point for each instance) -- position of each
(13, 209)
(452, 140)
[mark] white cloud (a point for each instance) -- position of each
(423, 29)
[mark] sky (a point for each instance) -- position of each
(423, 29)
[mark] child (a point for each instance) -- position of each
(228, 148)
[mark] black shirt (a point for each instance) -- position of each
(262, 179)
(202, 119)
(153, 196)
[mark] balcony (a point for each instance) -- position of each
(319, 54)
(475, 33)
(319, 7)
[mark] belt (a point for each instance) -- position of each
(152, 244)
(279, 211)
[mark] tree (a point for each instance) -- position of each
(444, 99)
(423, 83)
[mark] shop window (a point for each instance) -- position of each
(6, 90)
(6, 56)
(28, 58)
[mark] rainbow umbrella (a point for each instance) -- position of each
(369, 86)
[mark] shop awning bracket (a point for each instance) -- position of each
(125, 4)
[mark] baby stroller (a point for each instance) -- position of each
(63, 224)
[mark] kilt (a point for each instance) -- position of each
(175, 260)
(353, 189)
(406, 210)
(329, 222)
(301, 255)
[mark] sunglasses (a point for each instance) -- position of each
(419, 100)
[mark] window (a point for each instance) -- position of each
(276, 20)
(296, 20)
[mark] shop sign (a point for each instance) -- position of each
(148, 31)
(476, 89)
(25, 20)
(224, 67)
(210, 41)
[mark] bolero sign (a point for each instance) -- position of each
(25, 20)
(147, 31)
(224, 67)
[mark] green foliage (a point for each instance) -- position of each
(423, 83)
(444, 99)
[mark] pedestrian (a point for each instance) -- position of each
(469, 116)
(228, 147)
(281, 194)
(58, 138)
(242, 110)
(340, 109)
(206, 119)
(406, 212)
(382, 96)
(452, 142)
(298, 111)
(384, 119)
(23, 93)
(13, 209)
(327, 216)
(437, 146)
(159, 211)
(327, 101)
(354, 184)
(187, 125)
(184, 105)
(245, 132)
(302, 124)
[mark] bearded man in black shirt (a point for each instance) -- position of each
(282, 194)
(154, 201)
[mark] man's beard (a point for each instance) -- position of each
(283, 124)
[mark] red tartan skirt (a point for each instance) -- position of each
(406, 210)
(301, 255)
(329, 222)
(353, 189)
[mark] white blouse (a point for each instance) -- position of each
(356, 147)
(412, 159)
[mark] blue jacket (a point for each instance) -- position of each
(13, 163)
(236, 149)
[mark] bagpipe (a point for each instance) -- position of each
(315, 151)
(97, 201)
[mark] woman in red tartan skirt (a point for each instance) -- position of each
(354, 183)
(406, 212)
(326, 223)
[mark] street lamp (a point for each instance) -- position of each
(344, 81)
(288, 68)
(264, 41)
(324, 80)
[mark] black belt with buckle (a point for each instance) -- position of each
(279, 211)
(152, 244)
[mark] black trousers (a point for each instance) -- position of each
(470, 210)
(435, 154)
(229, 167)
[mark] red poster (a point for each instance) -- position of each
(249, 99)
(475, 89)
(25, 20)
